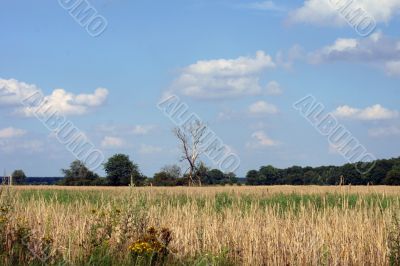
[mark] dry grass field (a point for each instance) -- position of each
(280, 225)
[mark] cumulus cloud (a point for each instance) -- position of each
(11, 132)
(70, 104)
(109, 142)
(375, 112)
(318, 12)
(377, 50)
(262, 107)
(96, 99)
(260, 140)
(14, 91)
(328, 12)
(341, 45)
(223, 78)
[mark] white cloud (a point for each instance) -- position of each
(342, 45)
(375, 112)
(70, 104)
(377, 49)
(274, 88)
(262, 107)
(11, 132)
(142, 129)
(149, 149)
(223, 78)
(109, 142)
(384, 131)
(265, 5)
(261, 140)
(96, 99)
(328, 12)
(318, 12)
(14, 91)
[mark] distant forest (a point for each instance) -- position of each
(123, 172)
(383, 172)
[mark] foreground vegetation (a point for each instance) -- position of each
(281, 225)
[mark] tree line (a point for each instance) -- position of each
(121, 171)
(383, 172)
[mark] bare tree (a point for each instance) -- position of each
(190, 138)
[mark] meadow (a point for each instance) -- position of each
(232, 225)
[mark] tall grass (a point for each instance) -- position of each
(218, 226)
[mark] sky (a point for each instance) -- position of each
(239, 65)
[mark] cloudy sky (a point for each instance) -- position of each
(239, 65)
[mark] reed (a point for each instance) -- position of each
(280, 225)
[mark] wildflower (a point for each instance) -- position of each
(153, 243)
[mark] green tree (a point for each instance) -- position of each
(379, 171)
(393, 176)
(202, 174)
(120, 169)
(78, 175)
(18, 177)
(164, 179)
(252, 178)
(216, 177)
(311, 177)
(231, 178)
(269, 174)
(351, 175)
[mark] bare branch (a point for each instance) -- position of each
(190, 139)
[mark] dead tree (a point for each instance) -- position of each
(190, 138)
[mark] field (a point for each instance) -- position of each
(280, 225)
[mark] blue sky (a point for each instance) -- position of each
(240, 65)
